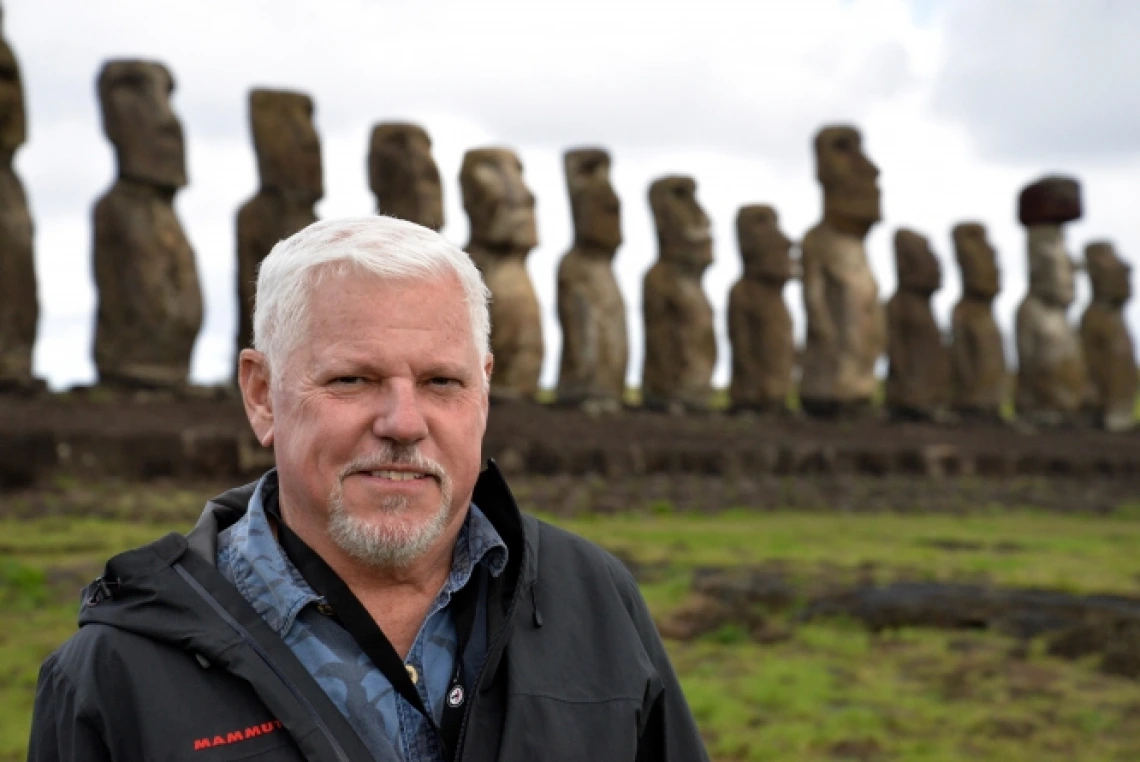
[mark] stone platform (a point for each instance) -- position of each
(206, 437)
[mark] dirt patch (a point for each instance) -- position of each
(1008, 727)
(765, 603)
(856, 750)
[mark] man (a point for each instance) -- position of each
(375, 596)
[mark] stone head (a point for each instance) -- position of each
(285, 140)
(594, 204)
(850, 180)
(140, 123)
(683, 231)
(1052, 200)
(977, 260)
(403, 174)
(764, 249)
(1111, 276)
(13, 125)
(918, 269)
(497, 201)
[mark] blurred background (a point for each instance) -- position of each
(961, 103)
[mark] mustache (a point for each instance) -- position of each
(394, 455)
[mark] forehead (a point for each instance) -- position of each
(358, 318)
(400, 138)
(275, 110)
(349, 295)
(353, 307)
(840, 139)
(757, 217)
(497, 171)
(909, 242)
(150, 80)
(673, 190)
(586, 162)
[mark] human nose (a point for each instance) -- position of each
(400, 418)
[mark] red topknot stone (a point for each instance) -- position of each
(1050, 201)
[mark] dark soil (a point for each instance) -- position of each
(1073, 626)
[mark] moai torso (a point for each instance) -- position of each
(291, 182)
(845, 321)
(503, 232)
(19, 305)
(981, 380)
(404, 176)
(918, 378)
(1052, 383)
(1107, 345)
(759, 324)
(680, 344)
(595, 348)
(150, 302)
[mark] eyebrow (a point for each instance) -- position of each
(446, 368)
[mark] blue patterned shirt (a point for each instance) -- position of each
(250, 557)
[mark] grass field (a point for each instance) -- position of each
(828, 690)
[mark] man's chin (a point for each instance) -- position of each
(390, 535)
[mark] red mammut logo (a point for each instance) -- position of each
(234, 736)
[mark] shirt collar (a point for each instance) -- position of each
(278, 592)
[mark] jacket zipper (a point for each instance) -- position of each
(495, 645)
(257, 647)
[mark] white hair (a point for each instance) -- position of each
(386, 247)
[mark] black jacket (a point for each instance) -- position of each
(171, 662)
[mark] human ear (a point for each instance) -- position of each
(256, 394)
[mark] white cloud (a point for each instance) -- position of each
(1053, 81)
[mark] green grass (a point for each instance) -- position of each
(1030, 549)
(826, 691)
(834, 692)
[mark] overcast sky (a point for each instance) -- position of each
(961, 102)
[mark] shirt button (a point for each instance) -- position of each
(412, 673)
(324, 608)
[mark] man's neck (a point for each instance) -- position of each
(397, 597)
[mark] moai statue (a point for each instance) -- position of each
(1052, 384)
(19, 306)
(845, 321)
(759, 324)
(291, 183)
(1107, 345)
(918, 379)
(403, 174)
(595, 349)
(977, 354)
(501, 211)
(150, 303)
(680, 345)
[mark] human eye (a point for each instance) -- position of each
(444, 382)
(346, 381)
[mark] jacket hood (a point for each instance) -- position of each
(145, 590)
